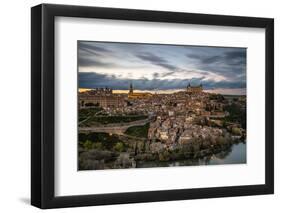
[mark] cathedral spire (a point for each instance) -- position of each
(131, 90)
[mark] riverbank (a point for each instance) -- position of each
(236, 154)
(95, 154)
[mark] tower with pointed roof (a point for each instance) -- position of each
(131, 90)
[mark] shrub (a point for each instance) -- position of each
(164, 156)
(88, 145)
(236, 131)
(97, 145)
(119, 147)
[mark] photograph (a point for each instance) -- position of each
(140, 105)
(160, 105)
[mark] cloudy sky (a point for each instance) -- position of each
(159, 67)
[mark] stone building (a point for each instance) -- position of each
(100, 97)
(194, 89)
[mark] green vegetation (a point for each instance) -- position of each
(98, 146)
(236, 131)
(97, 140)
(217, 97)
(116, 119)
(101, 141)
(87, 145)
(164, 156)
(81, 118)
(119, 147)
(236, 114)
(103, 118)
(84, 113)
(138, 131)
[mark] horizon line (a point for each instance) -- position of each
(223, 91)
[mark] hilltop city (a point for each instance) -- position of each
(135, 128)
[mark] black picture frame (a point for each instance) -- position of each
(43, 117)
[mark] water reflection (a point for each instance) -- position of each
(236, 154)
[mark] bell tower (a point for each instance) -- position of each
(131, 90)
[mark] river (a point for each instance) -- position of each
(236, 154)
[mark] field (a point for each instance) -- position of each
(138, 131)
(95, 116)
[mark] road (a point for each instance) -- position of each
(118, 129)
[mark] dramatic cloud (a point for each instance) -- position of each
(90, 48)
(156, 60)
(87, 80)
(235, 57)
(148, 66)
(229, 62)
(86, 62)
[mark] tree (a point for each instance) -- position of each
(119, 147)
(97, 145)
(236, 131)
(88, 145)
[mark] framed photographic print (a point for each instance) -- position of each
(139, 106)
